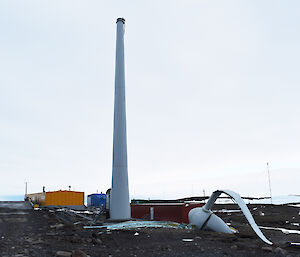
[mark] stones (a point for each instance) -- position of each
(267, 248)
(38, 241)
(233, 247)
(96, 241)
(76, 239)
(51, 234)
(283, 244)
(15, 220)
(280, 252)
(79, 253)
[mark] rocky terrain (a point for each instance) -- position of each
(28, 232)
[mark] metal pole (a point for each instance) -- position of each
(119, 203)
(269, 182)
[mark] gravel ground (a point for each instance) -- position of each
(25, 232)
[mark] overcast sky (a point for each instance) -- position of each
(212, 92)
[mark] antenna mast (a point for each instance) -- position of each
(269, 181)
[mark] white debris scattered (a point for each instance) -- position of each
(295, 224)
(283, 230)
(227, 211)
(141, 224)
(187, 240)
(13, 213)
(136, 233)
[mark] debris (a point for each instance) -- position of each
(187, 240)
(283, 230)
(227, 211)
(136, 234)
(14, 213)
(295, 244)
(295, 224)
(203, 218)
(63, 253)
(13, 220)
(141, 224)
(56, 226)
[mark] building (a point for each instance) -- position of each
(96, 200)
(176, 211)
(57, 198)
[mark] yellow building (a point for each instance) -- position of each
(61, 198)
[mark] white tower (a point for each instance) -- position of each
(119, 203)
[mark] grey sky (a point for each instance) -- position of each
(212, 95)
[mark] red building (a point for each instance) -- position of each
(177, 212)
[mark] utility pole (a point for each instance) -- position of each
(269, 182)
(25, 189)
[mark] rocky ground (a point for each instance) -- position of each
(26, 232)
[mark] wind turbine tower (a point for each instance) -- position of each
(119, 202)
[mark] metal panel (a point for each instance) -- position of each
(64, 198)
(177, 212)
(97, 200)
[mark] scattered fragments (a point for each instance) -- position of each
(283, 230)
(44, 234)
(64, 254)
(187, 240)
(141, 224)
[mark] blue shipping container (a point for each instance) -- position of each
(96, 200)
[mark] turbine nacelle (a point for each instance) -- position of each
(206, 220)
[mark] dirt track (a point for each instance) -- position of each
(39, 233)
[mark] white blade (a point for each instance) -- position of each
(240, 202)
